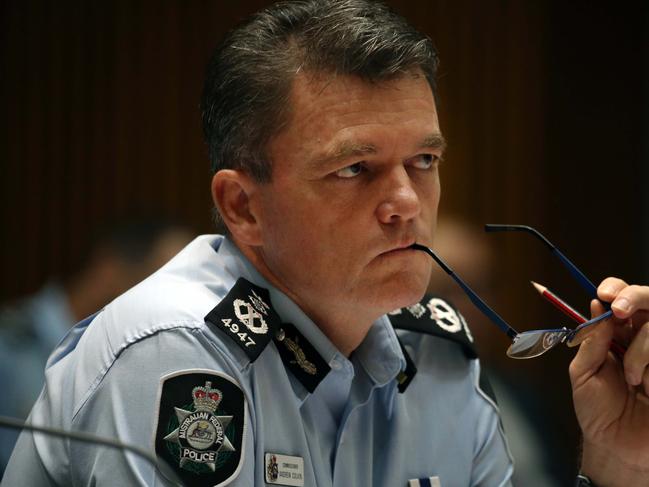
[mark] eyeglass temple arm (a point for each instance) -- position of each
(586, 283)
(475, 299)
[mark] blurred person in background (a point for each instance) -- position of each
(120, 256)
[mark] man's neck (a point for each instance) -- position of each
(345, 327)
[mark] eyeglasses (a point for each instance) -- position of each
(533, 343)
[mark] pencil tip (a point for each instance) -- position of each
(538, 287)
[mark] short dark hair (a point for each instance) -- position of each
(247, 87)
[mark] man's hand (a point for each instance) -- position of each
(611, 393)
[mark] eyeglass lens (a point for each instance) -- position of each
(530, 344)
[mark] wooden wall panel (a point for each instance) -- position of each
(101, 115)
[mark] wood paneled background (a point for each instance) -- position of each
(543, 102)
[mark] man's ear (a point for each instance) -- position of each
(232, 192)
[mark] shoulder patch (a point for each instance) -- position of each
(245, 315)
(201, 426)
(434, 316)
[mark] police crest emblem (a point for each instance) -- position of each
(201, 423)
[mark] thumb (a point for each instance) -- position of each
(594, 349)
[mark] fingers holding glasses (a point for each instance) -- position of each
(610, 288)
(626, 300)
(593, 350)
(630, 304)
(596, 309)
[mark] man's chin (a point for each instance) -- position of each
(399, 292)
(408, 299)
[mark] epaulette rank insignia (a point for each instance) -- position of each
(300, 357)
(246, 316)
(434, 316)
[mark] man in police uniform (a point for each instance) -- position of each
(268, 356)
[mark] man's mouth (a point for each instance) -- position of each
(404, 245)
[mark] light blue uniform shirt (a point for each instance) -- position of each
(355, 429)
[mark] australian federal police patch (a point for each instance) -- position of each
(201, 426)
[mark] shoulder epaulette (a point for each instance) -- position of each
(434, 316)
(246, 316)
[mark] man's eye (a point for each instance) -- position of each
(350, 171)
(424, 161)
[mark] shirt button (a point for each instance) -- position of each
(336, 365)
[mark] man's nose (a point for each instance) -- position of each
(399, 200)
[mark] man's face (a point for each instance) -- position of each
(355, 182)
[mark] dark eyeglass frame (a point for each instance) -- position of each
(531, 343)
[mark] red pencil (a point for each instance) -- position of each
(559, 303)
(568, 310)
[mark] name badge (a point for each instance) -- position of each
(284, 469)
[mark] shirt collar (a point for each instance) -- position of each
(380, 354)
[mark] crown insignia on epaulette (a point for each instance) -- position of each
(206, 398)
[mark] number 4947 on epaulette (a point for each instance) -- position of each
(234, 328)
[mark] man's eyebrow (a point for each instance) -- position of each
(345, 150)
(348, 149)
(434, 141)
